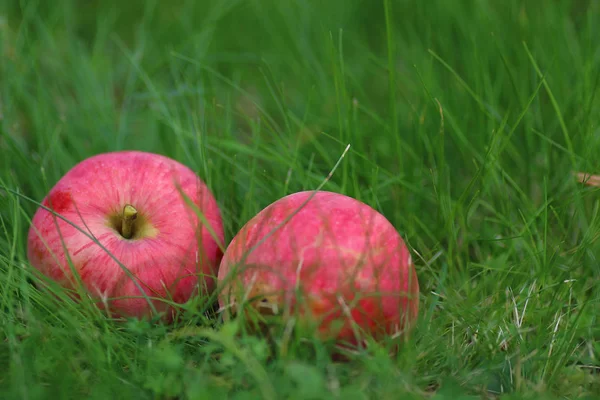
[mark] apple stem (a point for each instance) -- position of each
(129, 216)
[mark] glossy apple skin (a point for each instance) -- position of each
(177, 256)
(348, 261)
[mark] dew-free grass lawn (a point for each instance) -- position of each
(466, 120)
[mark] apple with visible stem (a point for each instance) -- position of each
(324, 260)
(127, 225)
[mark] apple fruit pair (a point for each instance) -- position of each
(326, 261)
(134, 205)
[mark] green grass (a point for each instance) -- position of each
(465, 120)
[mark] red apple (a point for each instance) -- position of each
(131, 202)
(337, 262)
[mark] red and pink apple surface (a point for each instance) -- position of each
(337, 262)
(132, 203)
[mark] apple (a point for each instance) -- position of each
(330, 262)
(132, 203)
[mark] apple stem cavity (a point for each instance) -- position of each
(129, 216)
